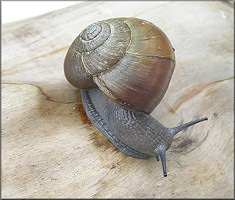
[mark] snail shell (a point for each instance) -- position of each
(130, 60)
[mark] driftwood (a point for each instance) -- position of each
(51, 150)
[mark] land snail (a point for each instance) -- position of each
(123, 67)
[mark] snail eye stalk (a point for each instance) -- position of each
(184, 126)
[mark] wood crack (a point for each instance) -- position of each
(44, 94)
(37, 57)
(149, 9)
(190, 94)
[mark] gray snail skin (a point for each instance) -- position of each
(123, 67)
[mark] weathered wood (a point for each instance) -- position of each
(51, 150)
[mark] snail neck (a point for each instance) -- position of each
(138, 131)
(99, 110)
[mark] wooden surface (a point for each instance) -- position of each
(51, 150)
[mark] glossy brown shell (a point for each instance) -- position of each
(129, 59)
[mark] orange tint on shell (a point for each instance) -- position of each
(137, 84)
(140, 79)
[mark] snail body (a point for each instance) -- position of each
(123, 67)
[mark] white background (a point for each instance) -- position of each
(17, 10)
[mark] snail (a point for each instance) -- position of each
(123, 67)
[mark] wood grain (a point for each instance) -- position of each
(51, 150)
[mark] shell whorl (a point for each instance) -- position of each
(91, 32)
(103, 44)
(93, 37)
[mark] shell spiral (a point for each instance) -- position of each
(131, 60)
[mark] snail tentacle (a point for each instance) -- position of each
(177, 129)
(162, 152)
